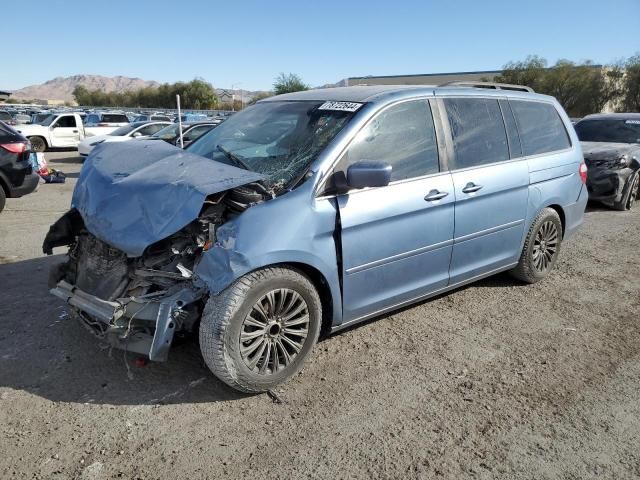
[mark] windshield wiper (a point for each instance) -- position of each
(233, 157)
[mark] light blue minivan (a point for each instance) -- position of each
(312, 211)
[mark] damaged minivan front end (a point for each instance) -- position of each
(129, 274)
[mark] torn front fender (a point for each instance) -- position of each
(133, 194)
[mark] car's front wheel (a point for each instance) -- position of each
(541, 247)
(257, 333)
(38, 144)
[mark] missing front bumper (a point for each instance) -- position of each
(145, 326)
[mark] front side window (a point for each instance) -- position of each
(402, 136)
(605, 130)
(151, 129)
(477, 130)
(276, 139)
(66, 122)
(196, 132)
(169, 132)
(541, 129)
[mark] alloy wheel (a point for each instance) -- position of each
(274, 331)
(545, 246)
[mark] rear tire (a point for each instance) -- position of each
(541, 247)
(256, 334)
(38, 144)
(631, 195)
(3, 198)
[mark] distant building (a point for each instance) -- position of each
(4, 96)
(425, 78)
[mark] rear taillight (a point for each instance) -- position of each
(14, 147)
(582, 170)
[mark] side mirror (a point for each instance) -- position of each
(136, 135)
(367, 173)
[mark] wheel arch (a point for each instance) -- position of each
(44, 139)
(560, 211)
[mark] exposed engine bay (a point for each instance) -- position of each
(140, 303)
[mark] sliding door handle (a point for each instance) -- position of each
(434, 195)
(471, 187)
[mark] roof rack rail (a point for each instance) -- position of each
(489, 85)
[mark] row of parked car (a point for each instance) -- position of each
(316, 210)
(71, 129)
(20, 115)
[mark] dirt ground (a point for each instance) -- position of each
(496, 380)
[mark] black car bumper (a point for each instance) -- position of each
(28, 185)
(607, 185)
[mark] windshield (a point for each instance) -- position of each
(46, 121)
(168, 133)
(276, 139)
(618, 131)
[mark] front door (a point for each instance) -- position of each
(396, 240)
(65, 132)
(491, 188)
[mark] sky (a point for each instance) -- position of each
(246, 44)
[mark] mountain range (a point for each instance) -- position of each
(61, 88)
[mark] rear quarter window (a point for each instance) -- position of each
(541, 129)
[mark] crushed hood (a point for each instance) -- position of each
(133, 194)
(608, 150)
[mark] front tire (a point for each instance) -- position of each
(38, 144)
(541, 247)
(256, 334)
(631, 195)
(3, 198)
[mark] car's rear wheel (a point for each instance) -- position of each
(38, 144)
(631, 193)
(3, 198)
(541, 247)
(257, 333)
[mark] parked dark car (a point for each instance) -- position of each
(611, 147)
(16, 174)
(191, 131)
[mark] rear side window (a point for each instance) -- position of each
(541, 129)
(477, 130)
(114, 118)
(402, 136)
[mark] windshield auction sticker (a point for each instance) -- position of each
(340, 106)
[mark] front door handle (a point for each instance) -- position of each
(471, 187)
(75, 131)
(434, 195)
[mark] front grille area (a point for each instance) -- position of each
(102, 270)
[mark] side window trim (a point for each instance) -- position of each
(505, 108)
